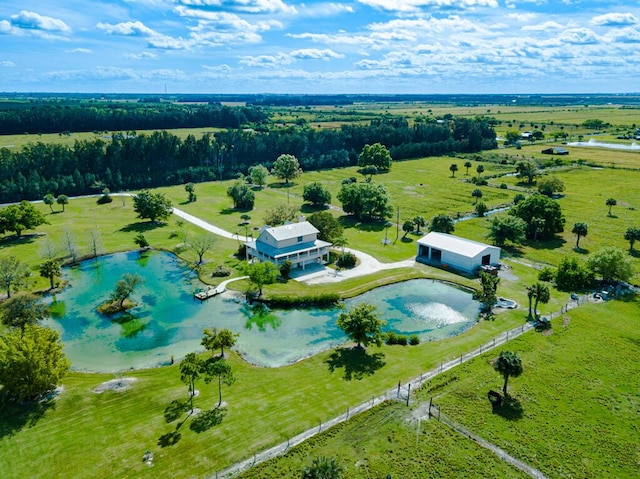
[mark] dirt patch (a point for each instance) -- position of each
(566, 319)
(119, 384)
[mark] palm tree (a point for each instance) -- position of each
(631, 235)
(420, 222)
(477, 194)
(610, 203)
(341, 243)
(453, 168)
(480, 170)
(467, 165)
(579, 229)
(508, 364)
(541, 294)
(50, 269)
(322, 468)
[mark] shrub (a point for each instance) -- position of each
(503, 186)
(285, 269)
(104, 199)
(242, 252)
(220, 271)
(348, 260)
(322, 300)
(391, 338)
(414, 340)
(546, 274)
(402, 340)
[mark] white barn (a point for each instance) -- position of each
(449, 251)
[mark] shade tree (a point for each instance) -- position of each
(13, 273)
(125, 287)
(154, 206)
(62, 200)
(20, 217)
(316, 193)
(258, 175)
(611, 264)
(190, 188)
(220, 370)
(286, 167)
(362, 324)
(201, 244)
(542, 216)
(280, 214)
(442, 223)
(506, 228)
(328, 226)
(366, 201)
(49, 200)
(579, 229)
(22, 309)
(50, 269)
(550, 185)
(375, 155)
(213, 339)
(573, 275)
(190, 371)
(32, 362)
(261, 274)
(242, 196)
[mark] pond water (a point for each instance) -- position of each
(168, 322)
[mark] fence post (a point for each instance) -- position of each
(398, 390)
(408, 393)
(347, 412)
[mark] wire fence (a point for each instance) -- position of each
(434, 411)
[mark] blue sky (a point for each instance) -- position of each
(286, 46)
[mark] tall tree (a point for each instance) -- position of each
(366, 201)
(611, 263)
(539, 207)
(213, 339)
(528, 170)
(190, 188)
(611, 202)
(20, 217)
(362, 325)
(201, 244)
(50, 269)
(62, 200)
(407, 227)
(261, 274)
(49, 200)
(375, 155)
(323, 468)
(125, 287)
(632, 235)
(467, 165)
(488, 296)
(453, 168)
(580, 229)
(506, 228)
(420, 222)
(31, 362)
(442, 224)
(287, 168)
(539, 292)
(190, 370)
(480, 170)
(328, 226)
(477, 194)
(218, 368)
(13, 273)
(242, 196)
(280, 214)
(508, 364)
(316, 193)
(258, 175)
(155, 206)
(22, 309)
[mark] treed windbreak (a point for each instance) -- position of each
(124, 161)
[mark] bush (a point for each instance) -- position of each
(503, 186)
(348, 260)
(547, 274)
(391, 338)
(285, 269)
(402, 340)
(104, 199)
(220, 271)
(414, 340)
(242, 252)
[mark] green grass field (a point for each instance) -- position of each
(578, 411)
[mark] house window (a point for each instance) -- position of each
(299, 239)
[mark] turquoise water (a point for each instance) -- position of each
(168, 322)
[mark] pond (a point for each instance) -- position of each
(168, 321)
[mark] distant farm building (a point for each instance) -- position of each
(449, 251)
(556, 150)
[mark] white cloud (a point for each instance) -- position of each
(79, 50)
(324, 9)
(5, 26)
(615, 19)
(140, 56)
(226, 20)
(624, 35)
(247, 6)
(409, 6)
(543, 27)
(522, 17)
(34, 21)
(578, 36)
(139, 29)
(7, 63)
(315, 54)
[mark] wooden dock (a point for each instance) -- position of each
(210, 292)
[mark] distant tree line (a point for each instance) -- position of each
(122, 116)
(135, 161)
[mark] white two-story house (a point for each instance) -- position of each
(296, 242)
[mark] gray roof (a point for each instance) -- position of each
(455, 244)
(291, 230)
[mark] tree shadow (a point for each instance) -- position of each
(140, 227)
(12, 240)
(306, 208)
(406, 239)
(208, 419)
(510, 409)
(357, 363)
(553, 243)
(580, 250)
(169, 439)
(175, 409)
(14, 416)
